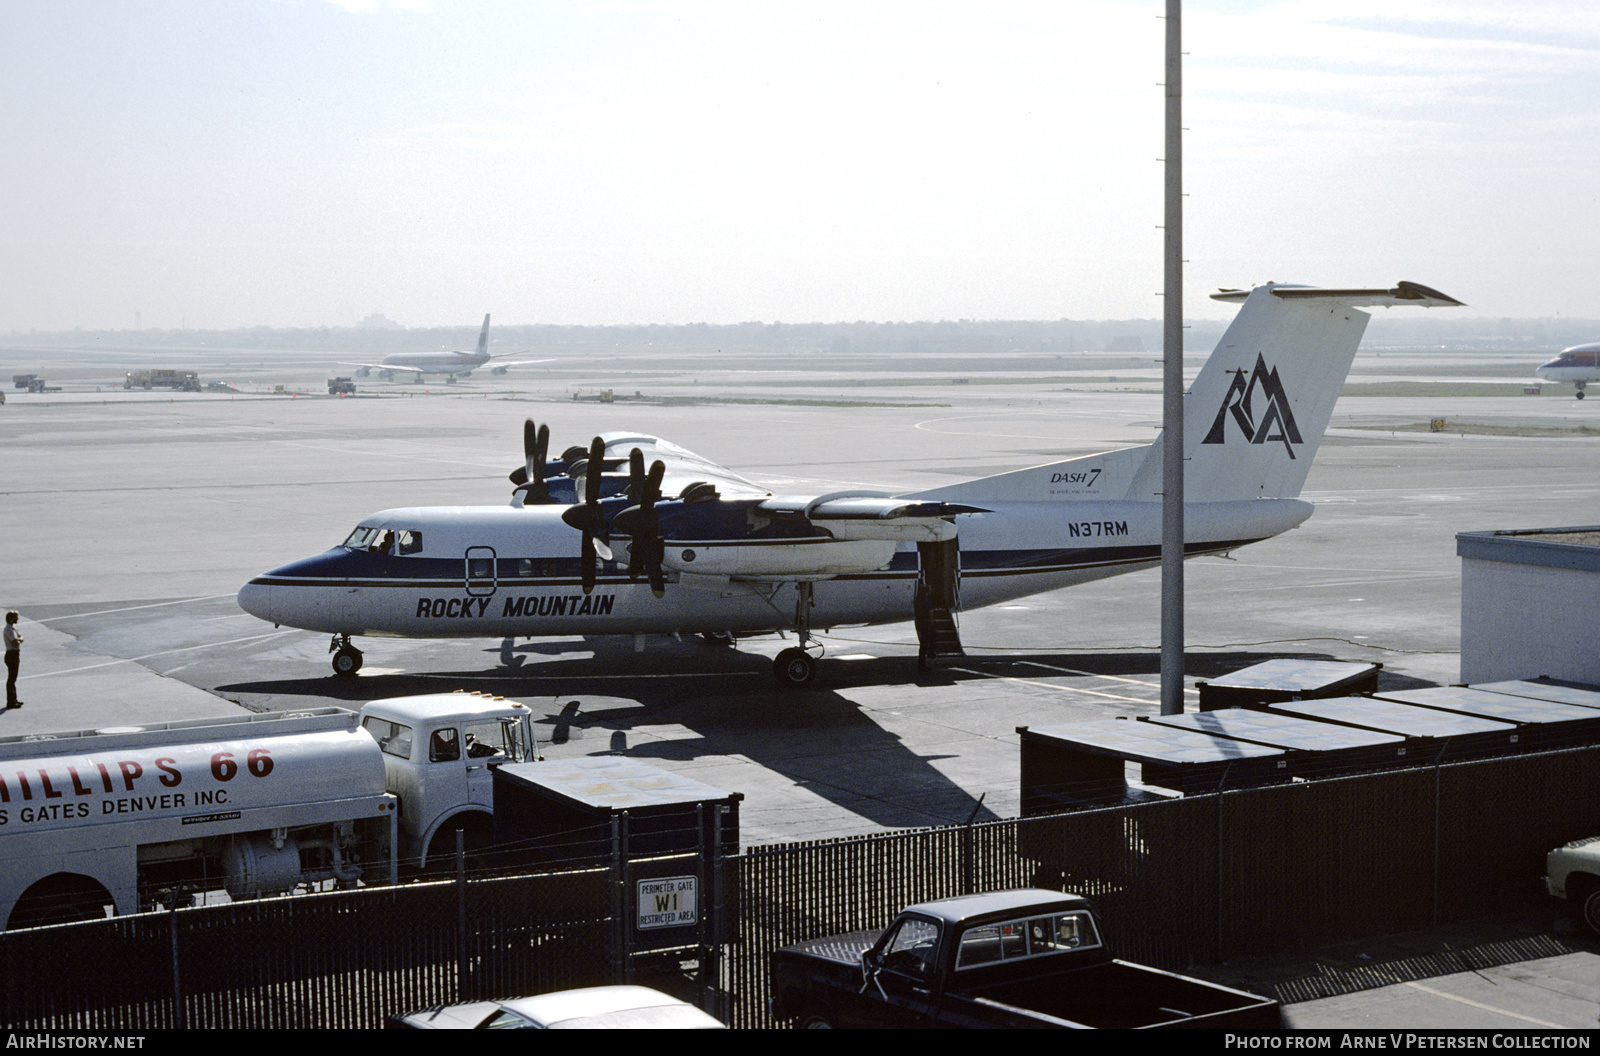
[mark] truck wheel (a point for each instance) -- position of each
(64, 898)
(478, 844)
(815, 1023)
(1590, 909)
(347, 661)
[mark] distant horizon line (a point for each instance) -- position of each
(1454, 323)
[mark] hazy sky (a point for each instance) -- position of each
(305, 162)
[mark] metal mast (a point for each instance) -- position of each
(1172, 384)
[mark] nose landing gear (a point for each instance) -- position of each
(346, 657)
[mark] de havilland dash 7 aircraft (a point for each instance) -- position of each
(594, 542)
(1579, 364)
(452, 365)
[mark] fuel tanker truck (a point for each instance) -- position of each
(140, 817)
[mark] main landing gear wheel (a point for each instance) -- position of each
(794, 667)
(346, 657)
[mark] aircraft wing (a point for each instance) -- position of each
(383, 366)
(497, 362)
(682, 466)
(871, 515)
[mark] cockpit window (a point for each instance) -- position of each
(384, 540)
(393, 738)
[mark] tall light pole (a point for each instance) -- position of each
(1172, 384)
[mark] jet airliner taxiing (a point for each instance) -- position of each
(452, 365)
(1579, 364)
(635, 535)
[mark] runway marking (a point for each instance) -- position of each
(132, 608)
(1486, 1008)
(1091, 674)
(1051, 685)
(150, 656)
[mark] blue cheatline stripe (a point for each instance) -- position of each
(977, 564)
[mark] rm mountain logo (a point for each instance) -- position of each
(1242, 399)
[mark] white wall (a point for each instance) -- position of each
(1526, 620)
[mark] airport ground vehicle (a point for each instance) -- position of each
(341, 386)
(591, 1008)
(180, 380)
(1572, 872)
(259, 804)
(1021, 958)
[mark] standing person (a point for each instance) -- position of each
(13, 659)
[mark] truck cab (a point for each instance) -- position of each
(438, 753)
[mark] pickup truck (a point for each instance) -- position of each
(1023, 958)
(1572, 872)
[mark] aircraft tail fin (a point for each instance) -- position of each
(483, 336)
(1255, 415)
(1253, 418)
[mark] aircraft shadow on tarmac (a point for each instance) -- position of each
(815, 737)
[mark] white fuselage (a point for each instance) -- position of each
(1580, 363)
(436, 362)
(502, 572)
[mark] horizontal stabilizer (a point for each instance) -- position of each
(1406, 293)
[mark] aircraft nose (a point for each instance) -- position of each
(257, 599)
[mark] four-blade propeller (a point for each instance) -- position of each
(529, 477)
(587, 516)
(640, 522)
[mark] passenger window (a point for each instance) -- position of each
(480, 567)
(444, 746)
(979, 946)
(1074, 930)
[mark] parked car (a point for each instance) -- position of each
(592, 1008)
(1572, 872)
